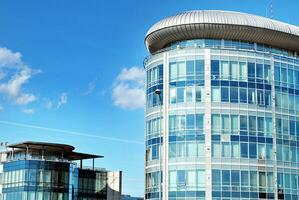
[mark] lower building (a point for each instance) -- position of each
(129, 197)
(48, 171)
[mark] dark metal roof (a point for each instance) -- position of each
(42, 146)
(229, 25)
(67, 150)
(82, 156)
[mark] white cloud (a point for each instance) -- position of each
(62, 100)
(14, 74)
(128, 97)
(132, 74)
(128, 90)
(9, 58)
(90, 88)
(28, 111)
(25, 99)
(13, 86)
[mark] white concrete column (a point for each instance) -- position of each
(207, 123)
(165, 124)
(274, 129)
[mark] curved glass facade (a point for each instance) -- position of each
(226, 124)
(27, 179)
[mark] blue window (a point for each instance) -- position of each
(235, 177)
(190, 68)
(297, 128)
(252, 150)
(283, 76)
(243, 122)
(234, 97)
(199, 69)
(172, 150)
(297, 79)
(160, 72)
(225, 177)
(198, 94)
(244, 150)
(181, 177)
(292, 127)
(224, 94)
(251, 96)
(276, 72)
(251, 72)
(199, 121)
(215, 69)
(267, 73)
(279, 152)
(291, 77)
(190, 122)
(260, 97)
(280, 180)
(243, 95)
(259, 72)
(244, 178)
(267, 98)
(216, 177)
(252, 125)
(269, 151)
(253, 180)
(155, 152)
(260, 125)
(180, 95)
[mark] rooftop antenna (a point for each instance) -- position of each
(271, 15)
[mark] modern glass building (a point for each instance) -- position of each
(222, 111)
(47, 171)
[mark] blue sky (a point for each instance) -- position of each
(71, 72)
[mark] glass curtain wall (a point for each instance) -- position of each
(254, 98)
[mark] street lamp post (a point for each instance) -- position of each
(159, 92)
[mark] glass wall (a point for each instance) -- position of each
(187, 183)
(47, 180)
(245, 184)
(91, 184)
(35, 180)
(241, 82)
(254, 123)
(153, 185)
(154, 77)
(153, 138)
(186, 81)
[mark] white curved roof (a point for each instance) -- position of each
(222, 25)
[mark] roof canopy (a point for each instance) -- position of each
(67, 150)
(228, 25)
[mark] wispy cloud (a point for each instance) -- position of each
(25, 99)
(14, 74)
(128, 90)
(28, 110)
(91, 87)
(1, 108)
(62, 100)
(74, 133)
